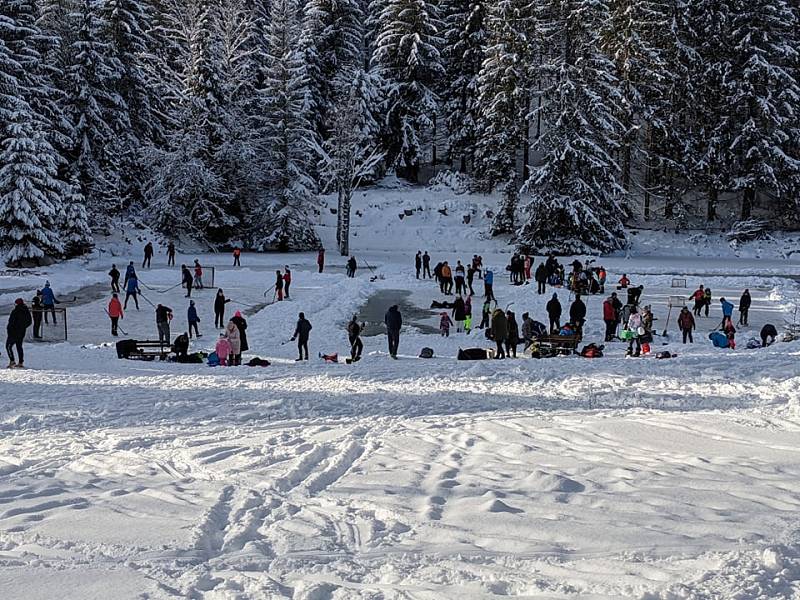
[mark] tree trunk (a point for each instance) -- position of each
(711, 208)
(526, 151)
(748, 199)
(433, 153)
(343, 235)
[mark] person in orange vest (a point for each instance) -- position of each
(624, 281)
(447, 279)
(287, 280)
(237, 253)
(115, 313)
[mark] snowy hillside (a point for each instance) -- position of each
(555, 478)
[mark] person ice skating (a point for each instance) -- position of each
(354, 336)
(130, 271)
(163, 317)
(278, 286)
(193, 319)
(426, 265)
(707, 300)
(624, 282)
(459, 313)
(148, 255)
(541, 279)
(287, 281)
(744, 308)
(219, 309)
(768, 335)
(686, 324)
(171, 254)
(444, 324)
(727, 312)
(321, 259)
(488, 285)
(352, 267)
(554, 313)
(198, 275)
(512, 337)
(699, 297)
(301, 333)
(49, 302)
(18, 322)
(577, 314)
(418, 263)
(394, 322)
(132, 291)
(610, 319)
(634, 325)
(237, 257)
(223, 350)
(187, 280)
(36, 312)
(115, 313)
(241, 323)
(499, 332)
(486, 312)
(114, 274)
(235, 341)
(460, 278)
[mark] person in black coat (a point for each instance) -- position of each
(301, 333)
(418, 263)
(219, 309)
(541, 279)
(394, 322)
(459, 313)
(768, 332)
(354, 336)
(187, 280)
(577, 314)
(114, 274)
(554, 312)
(744, 307)
(18, 322)
(36, 311)
(241, 325)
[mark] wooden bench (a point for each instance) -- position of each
(145, 350)
(559, 344)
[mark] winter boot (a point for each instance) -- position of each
(12, 365)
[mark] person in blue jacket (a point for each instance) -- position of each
(132, 291)
(193, 319)
(488, 285)
(727, 311)
(49, 301)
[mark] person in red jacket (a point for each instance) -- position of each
(287, 280)
(699, 300)
(686, 324)
(624, 281)
(321, 259)
(610, 318)
(115, 313)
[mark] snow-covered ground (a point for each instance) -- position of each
(556, 478)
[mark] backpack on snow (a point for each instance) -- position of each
(258, 362)
(719, 339)
(592, 351)
(665, 354)
(426, 353)
(213, 360)
(473, 354)
(753, 343)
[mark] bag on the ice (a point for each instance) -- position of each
(472, 354)
(439, 305)
(592, 351)
(258, 362)
(330, 358)
(753, 343)
(665, 354)
(213, 360)
(426, 353)
(719, 339)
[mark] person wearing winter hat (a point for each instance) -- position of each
(49, 301)
(193, 319)
(18, 322)
(241, 324)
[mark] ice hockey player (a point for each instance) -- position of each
(301, 334)
(18, 322)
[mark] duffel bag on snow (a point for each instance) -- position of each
(473, 354)
(426, 353)
(719, 339)
(592, 351)
(125, 348)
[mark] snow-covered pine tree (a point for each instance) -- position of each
(98, 113)
(503, 95)
(332, 43)
(280, 220)
(76, 234)
(575, 205)
(765, 99)
(408, 58)
(464, 40)
(29, 189)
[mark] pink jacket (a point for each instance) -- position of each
(223, 348)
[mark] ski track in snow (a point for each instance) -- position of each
(561, 478)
